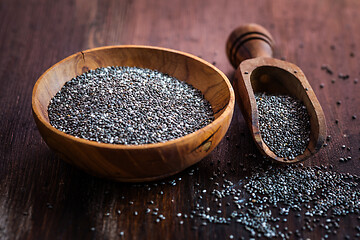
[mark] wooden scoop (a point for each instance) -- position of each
(249, 49)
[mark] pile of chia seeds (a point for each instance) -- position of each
(128, 105)
(260, 203)
(284, 124)
(316, 195)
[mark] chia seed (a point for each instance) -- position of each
(343, 76)
(128, 105)
(327, 69)
(270, 194)
(284, 124)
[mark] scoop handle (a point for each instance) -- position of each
(249, 41)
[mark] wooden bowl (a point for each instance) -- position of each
(134, 163)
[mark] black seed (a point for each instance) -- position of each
(343, 76)
(128, 105)
(284, 124)
(327, 69)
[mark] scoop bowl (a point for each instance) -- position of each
(250, 50)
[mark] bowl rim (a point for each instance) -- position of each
(228, 110)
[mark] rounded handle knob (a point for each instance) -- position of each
(249, 41)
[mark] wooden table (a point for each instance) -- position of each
(41, 197)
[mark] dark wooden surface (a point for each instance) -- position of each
(41, 197)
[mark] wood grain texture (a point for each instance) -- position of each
(136, 163)
(249, 41)
(251, 47)
(41, 197)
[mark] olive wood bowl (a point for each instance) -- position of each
(135, 163)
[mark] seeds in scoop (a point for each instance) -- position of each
(128, 105)
(284, 124)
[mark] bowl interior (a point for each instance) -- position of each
(277, 81)
(191, 69)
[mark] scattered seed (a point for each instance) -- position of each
(273, 192)
(327, 69)
(343, 76)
